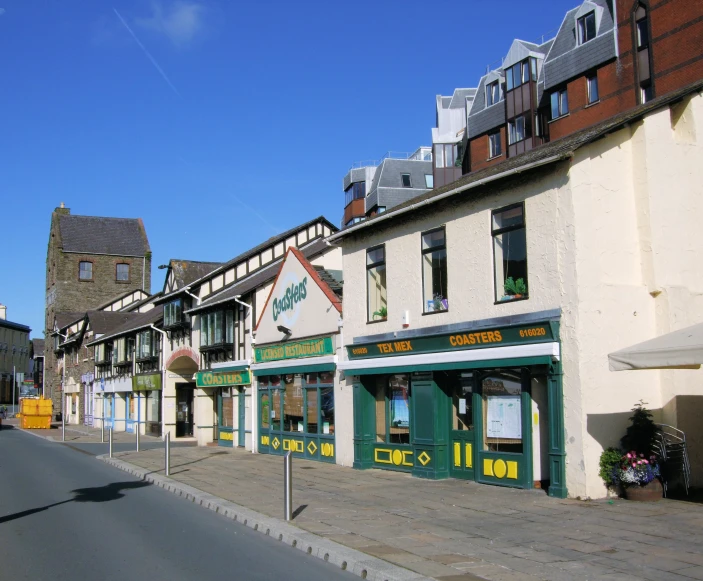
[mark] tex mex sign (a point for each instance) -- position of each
(497, 337)
(222, 378)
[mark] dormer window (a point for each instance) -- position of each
(586, 27)
(492, 93)
(173, 314)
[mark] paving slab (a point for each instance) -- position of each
(450, 529)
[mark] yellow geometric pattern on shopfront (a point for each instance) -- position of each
(424, 458)
(265, 440)
(293, 446)
(312, 448)
(275, 443)
(227, 436)
(468, 462)
(396, 457)
(500, 468)
(327, 449)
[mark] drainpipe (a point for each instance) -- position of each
(163, 384)
(254, 402)
(197, 299)
(615, 29)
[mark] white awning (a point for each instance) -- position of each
(681, 349)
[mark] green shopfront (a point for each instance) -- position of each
(230, 385)
(480, 402)
(295, 388)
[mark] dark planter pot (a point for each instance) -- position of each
(648, 493)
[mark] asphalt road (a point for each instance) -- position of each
(65, 516)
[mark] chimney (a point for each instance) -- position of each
(62, 209)
(3, 312)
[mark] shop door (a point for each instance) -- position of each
(108, 410)
(461, 426)
(504, 435)
(225, 417)
(184, 411)
(241, 420)
(130, 414)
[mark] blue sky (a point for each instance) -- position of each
(219, 123)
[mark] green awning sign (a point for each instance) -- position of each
(294, 350)
(217, 378)
(476, 339)
(149, 382)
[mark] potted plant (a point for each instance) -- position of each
(639, 470)
(381, 313)
(609, 464)
(514, 289)
(439, 303)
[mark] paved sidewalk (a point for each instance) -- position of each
(454, 530)
(80, 434)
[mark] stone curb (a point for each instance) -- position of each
(361, 564)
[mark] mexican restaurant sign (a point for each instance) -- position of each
(497, 337)
(146, 382)
(294, 350)
(216, 378)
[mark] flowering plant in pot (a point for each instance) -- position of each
(639, 471)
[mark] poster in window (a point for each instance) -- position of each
(503, 418)
(400, 412)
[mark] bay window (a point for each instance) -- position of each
(217, 328)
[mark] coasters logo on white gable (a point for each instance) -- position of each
(287, 306)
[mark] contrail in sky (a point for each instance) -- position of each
(259, 216)
(147, 53)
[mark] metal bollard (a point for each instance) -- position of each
(109, 435)
(167, 471)
(102, 431)
(136, 429)
(288, 486)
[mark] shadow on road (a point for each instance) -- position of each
(105, 493)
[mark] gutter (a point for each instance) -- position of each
(428, 201)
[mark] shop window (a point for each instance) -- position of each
(132, 406)
(434, 271)
(153, 406)
(462, 416)
(377, 301)
(592, 86)
(586, 26)
(265, 411)
(122, 272)
(559, 103)
(502, 412)
(494, 145)
(405, 180)
(393, 409)
(509, 253)
(85, 270)
(293, 403)
(327, 409)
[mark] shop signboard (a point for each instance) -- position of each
(149, 382)
(221, 378)
(295, 350)
(476, 339)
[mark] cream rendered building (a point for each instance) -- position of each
(611, 218)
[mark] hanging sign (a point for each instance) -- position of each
(149, 382)
(295, 350)
(497, 337)
(222, 378)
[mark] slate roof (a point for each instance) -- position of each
(64, 320)
(459, 98)
(184, 272)
(546, 154)
(135, 322)
(38, 347)
(119, 297)
(566, 59)
(11, 325)
(253, 251)
(257, 279)
(99, 235)
(336, 286)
